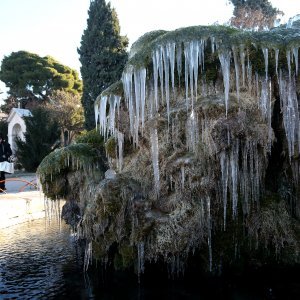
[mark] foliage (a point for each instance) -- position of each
(254, 14)
(3, 128)
(91, 137)
(102, 55)
(66, 109)
(41, 135)
(31, 78)
(96, 141)
(9, 103)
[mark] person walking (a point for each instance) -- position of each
(5, 153)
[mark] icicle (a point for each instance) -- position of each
(209, 232)
(270, 130)
(121, 149)
(141, 259)
(87, 256)
(249, 73)
(224, 171)
(186, 74)
(237, 72)
(276, 60)
(182, 176)
(179, 60)
(194, 56)
(171, 55)
(289, 105)
(127, 79)
(234, 157)
(259, 171)
(155, 158)
(265, 52)
(192, 132)
(160, 65)
(295, 53)
(264, 99)
(213, 45)
(155, 79)
(288, 57)
(136, 108)
(140, 95)
(242, 57)
(114, 101)
(244, 178)
(201, 54)
(167, 79)
(257, 85)
(96, 111)
(224, 58)
(102, 116)
(265, 106)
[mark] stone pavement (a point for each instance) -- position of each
(22, 201)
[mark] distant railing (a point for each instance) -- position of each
(28, 183)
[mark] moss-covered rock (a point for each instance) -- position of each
(202, 122)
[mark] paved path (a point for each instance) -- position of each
(20, 182)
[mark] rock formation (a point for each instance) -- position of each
(202, 137)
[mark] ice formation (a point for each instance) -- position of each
(180, 74)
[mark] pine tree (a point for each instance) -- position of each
(102, 55)
(41, 135)
(31, 79)
(254, 14)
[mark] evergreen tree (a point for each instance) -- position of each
(41, 135)
(102, 55)
(250, 14)
(32, 79)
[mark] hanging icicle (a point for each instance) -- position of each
(155, 159)
(224, 57)
(290, 110)
(224, 171)
(135, 80)
(237, 73)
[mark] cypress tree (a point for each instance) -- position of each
(102, 55)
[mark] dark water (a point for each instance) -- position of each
(39, 260)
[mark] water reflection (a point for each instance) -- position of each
(40, 260)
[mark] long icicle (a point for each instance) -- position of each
(224, 57)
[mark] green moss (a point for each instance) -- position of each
(142, 57)
(55, 189)
(110, 147)
(114, 89)
(112, 208)
(226, 37)
(54, 168)
(92, 138)
(99, 250)
(73, 157)
(125, 258)
(145, 40)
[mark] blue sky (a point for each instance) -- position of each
(54, 27)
